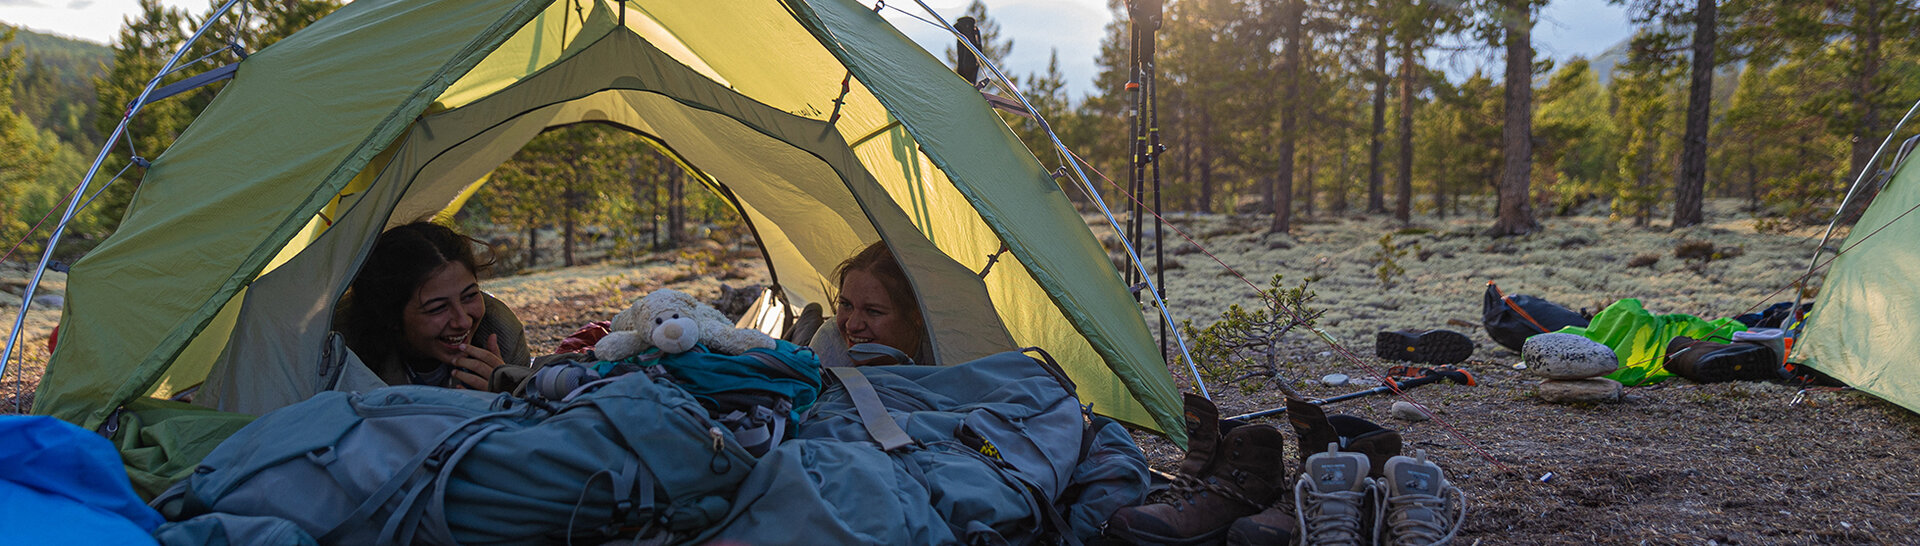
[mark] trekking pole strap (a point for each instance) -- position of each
(873, 413)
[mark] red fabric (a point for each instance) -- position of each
(585, 337)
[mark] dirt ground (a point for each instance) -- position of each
(1674, 463)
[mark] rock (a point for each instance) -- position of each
(48, 301)
(1408, 411)
(1597, 389)
(1568, 356)
(1335, 380)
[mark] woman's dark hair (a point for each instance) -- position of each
(402, 259)
(877, 260)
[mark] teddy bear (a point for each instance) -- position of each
(674, 322)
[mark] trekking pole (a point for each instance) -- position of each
(1427, 376)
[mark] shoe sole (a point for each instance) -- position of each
(1137, 537)
(1722, 366)
(1429, 347)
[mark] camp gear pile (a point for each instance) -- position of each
(997, 448)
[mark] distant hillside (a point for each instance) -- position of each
(55, 86)
(1603, 63)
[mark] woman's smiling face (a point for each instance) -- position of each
(438, 321)
(866, 314)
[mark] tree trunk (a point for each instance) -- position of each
(1289, 100)
(676, 206)
(1403, 210)
(1266, 186)
(1307, 185)
(1340, 179)
(1516, 135)
(1866, 133)
(533, 245)
(568, 221)
(1206, 166)
(1689, 188)
(1376, 203)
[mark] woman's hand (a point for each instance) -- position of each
(478, 364)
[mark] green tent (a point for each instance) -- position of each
(823, 124)
(1864, 328)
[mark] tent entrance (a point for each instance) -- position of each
(791, 178)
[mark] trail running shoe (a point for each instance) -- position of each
(1331, 498)
(1427, 347)
(1418, 506)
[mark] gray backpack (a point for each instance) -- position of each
(406, 465)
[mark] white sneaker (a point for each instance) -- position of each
(1416, 501)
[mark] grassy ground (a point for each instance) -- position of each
(1675, 463)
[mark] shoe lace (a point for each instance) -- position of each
(1405, 529)
(1183, 488)
(1321, 526)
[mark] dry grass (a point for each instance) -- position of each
(1675, 463)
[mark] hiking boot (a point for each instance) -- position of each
(1712, 362)
(1774, 339)
(1331, 498)
(1243, 478)
(1275, 525)
(1315, 430)
(1428, 347)
(1378, 443)
(1203, 433)
(1418, 506)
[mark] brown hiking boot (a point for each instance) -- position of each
(1275, 525)
(1712, 362)
(1315, 430)
(1203, 433)
(1247, 472)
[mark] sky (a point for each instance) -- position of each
(1038, 28)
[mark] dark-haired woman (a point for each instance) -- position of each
(416, 315)
(876, 305)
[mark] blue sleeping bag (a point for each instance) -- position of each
(61, 484)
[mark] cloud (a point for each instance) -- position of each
(22, 4)
(79, 4)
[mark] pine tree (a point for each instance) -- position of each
(1575, 134)
(1514, 20)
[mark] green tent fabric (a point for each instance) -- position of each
(825, 126)
(1862, 327)
(1639, 338)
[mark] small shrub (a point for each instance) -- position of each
(1694, 250)
(1644, 260)
(1388, 257)
(1246, 344)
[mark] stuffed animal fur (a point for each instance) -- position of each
(674, 322)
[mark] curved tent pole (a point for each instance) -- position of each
(1152, 286)
(1813, 262)
(73, 204)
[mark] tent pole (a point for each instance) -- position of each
(1087, 184)
(73, 205)
(1794, 312)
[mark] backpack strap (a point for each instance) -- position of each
(400, 479)
(873, 413)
